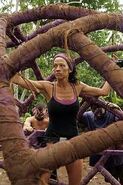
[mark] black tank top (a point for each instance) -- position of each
(62, 116)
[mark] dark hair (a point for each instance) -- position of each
(72, 76)
(40, 106)
(38, 111)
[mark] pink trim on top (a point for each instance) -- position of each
(66, 102)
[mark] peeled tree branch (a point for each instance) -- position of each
(51, 11)
(55, 38)
(24, 165)
(3, 24)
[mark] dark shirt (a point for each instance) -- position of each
(89, 121)
(62, 117)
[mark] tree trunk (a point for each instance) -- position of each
(24, 165)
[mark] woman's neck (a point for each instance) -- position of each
(62, 83)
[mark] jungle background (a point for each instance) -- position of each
(88, 75)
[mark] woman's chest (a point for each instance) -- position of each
(61, 108)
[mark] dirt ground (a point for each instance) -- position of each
(97, 180)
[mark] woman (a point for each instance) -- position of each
(63, 105)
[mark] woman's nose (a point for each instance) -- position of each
(57, 68)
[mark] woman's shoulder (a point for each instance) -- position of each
(80, 86)
(45, 83)
(77, 85)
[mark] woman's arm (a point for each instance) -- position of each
(95, 91)
(35, 86)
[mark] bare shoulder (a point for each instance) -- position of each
(45, 83)
(80, 86)
(46, 87)
(43, 86)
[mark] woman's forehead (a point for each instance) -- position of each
(61, 60)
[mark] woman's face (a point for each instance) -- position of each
(61, 68)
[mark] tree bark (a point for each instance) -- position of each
(86, 48)
(24, 165)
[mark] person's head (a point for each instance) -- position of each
(39, 111)
(99, 112)
(63, 68)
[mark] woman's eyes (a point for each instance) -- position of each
(61, 65)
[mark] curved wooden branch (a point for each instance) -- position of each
(36, 70)
(113, 48)
(107, 68)
(23, 106)
(55, 37)
(13, 37)
(3, 25)
(51, 11)
(18, 34)
(28, 164)
(43, 29)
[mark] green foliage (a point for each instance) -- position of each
(27, 28)
(88, 75)
(100, 37)
(104, 5)
(23, 118)
(6, 6)
(39, 99)
(24, 4)
(114, 98)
